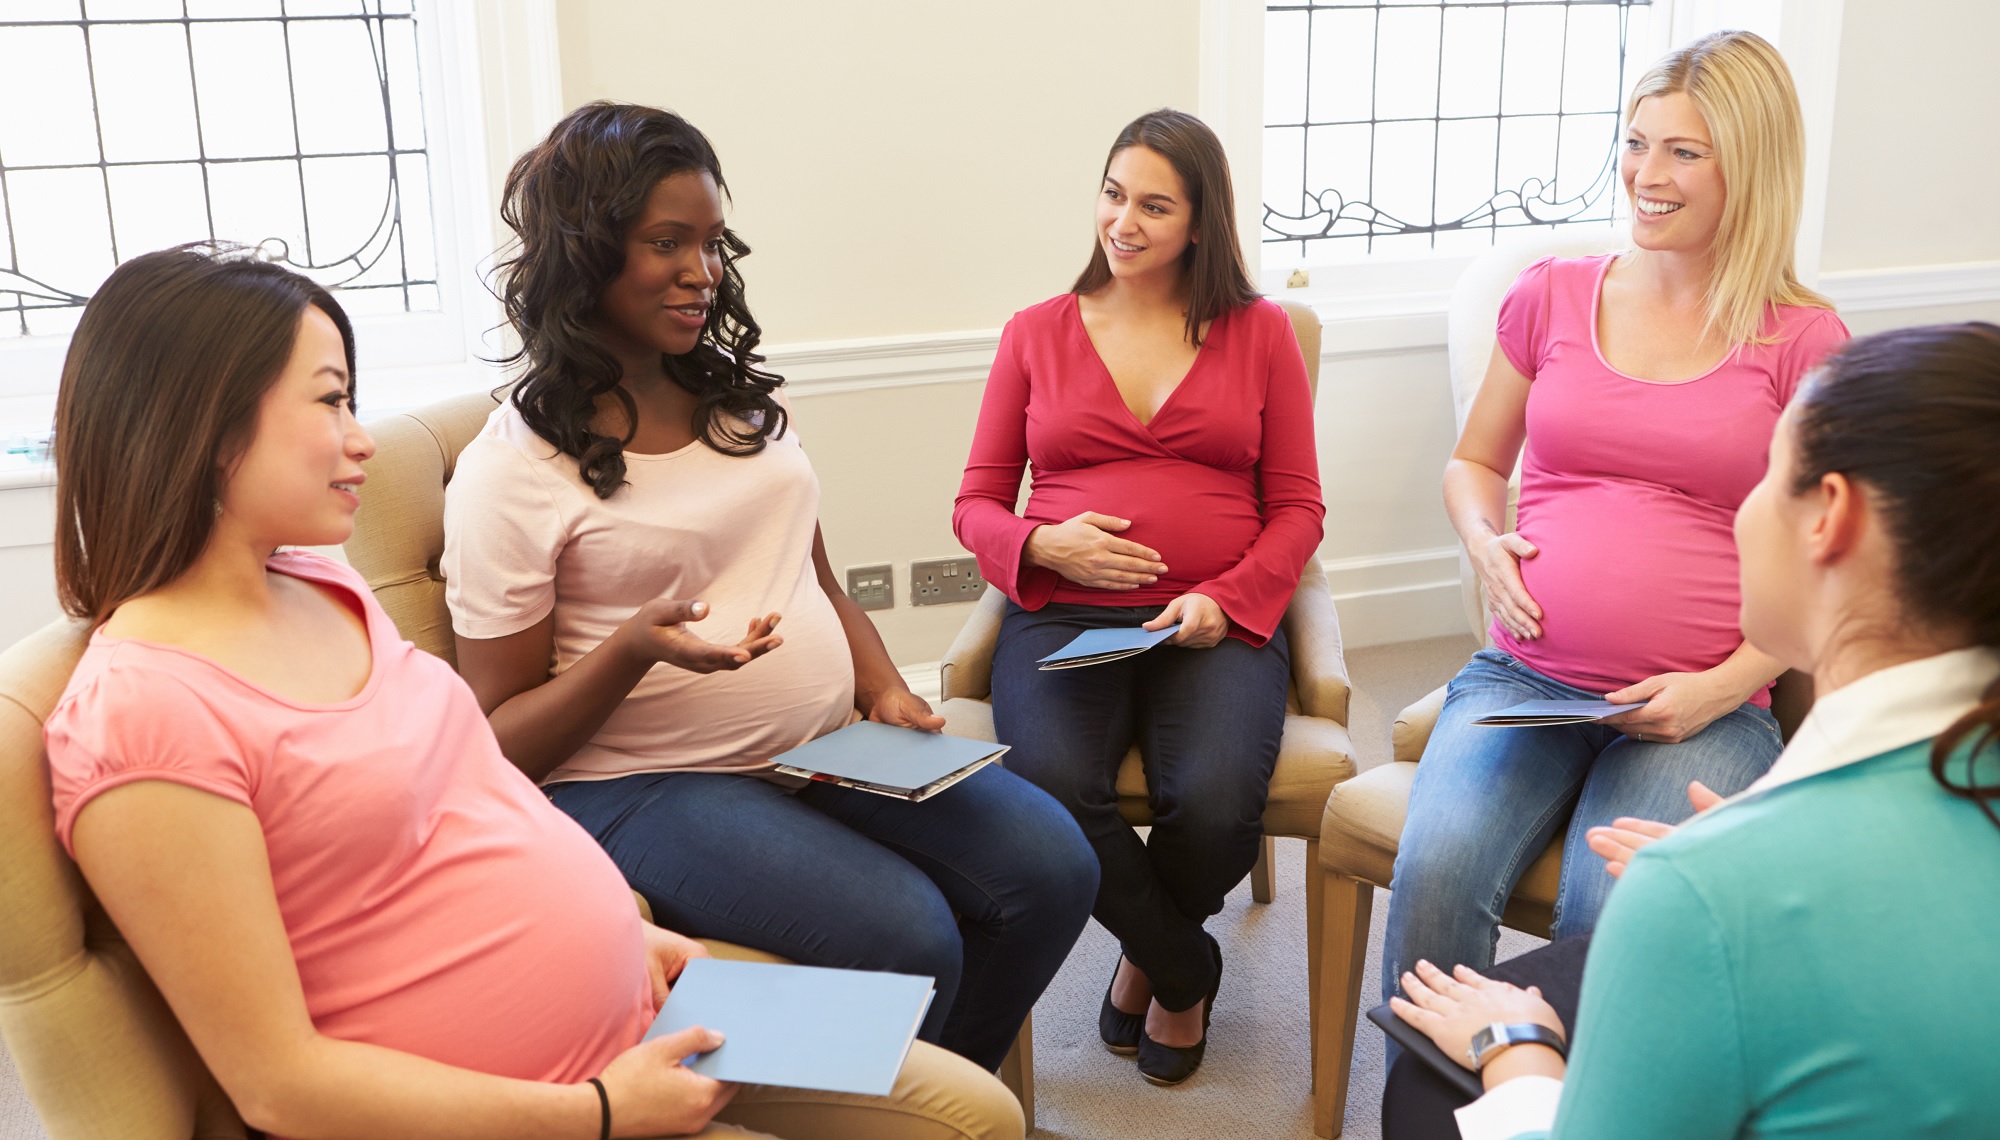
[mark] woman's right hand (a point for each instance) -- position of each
(1498, 564)
(653, 1094)
(1086, 550)
(656, 633)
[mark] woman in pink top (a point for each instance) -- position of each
(1165, 409)
(645, 461)
(368, 922)
(1646, 386)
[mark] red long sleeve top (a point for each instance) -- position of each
(1224, 482)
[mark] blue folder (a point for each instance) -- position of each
(801, 1027)
(1096, 646)
(903, 762)
(1529, 714)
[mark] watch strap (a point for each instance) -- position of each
(1500, 1035)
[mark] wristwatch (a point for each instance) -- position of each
(1500, 1035)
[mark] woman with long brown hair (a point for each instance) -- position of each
(367, 921)
(643, 491)
(1165, 408)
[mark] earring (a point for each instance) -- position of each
(218, 508)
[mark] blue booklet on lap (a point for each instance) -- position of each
(1096, 646)
(800, 1027)
(903, 762)
(1528, 714)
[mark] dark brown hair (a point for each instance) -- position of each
(159, 397)
(1217, 282)
(571, 200)
(1913, 415)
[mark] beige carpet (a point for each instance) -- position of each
(1254, 1083)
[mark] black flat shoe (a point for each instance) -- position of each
(1120, 1030)
(1172, 1064)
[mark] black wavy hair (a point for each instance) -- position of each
(570, 201)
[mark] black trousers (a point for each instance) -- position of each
(1417, 1102)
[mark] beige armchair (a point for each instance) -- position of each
(1363, 823)
(1314, 755)
(397, 544)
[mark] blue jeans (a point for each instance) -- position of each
(983, 888)
(1207, 722)
(1486, 802)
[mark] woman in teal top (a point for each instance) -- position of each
(1816, 956)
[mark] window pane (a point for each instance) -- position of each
(235, 119)
(337, 85)
(145, 93)
(1433, 124)
(45, 68)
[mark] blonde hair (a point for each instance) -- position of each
(1744, 91)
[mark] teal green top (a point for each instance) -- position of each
(1821, 960)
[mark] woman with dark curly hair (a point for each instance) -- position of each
(642, 462)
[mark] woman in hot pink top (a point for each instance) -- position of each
(1165, 409)
(367, 920)
(1646, 385)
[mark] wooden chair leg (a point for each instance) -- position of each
(1017, 1072)
(1315, 919)
(1345, 913)
(1260, 875)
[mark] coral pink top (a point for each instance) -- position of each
(436, 902)
(1223, 482)
(1629, 487)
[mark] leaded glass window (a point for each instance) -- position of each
(1404, 126)
(132, 125)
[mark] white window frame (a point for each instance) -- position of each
(1403, 298)
(491, 87)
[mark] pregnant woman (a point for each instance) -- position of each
(1646, 385)
(1165, 409)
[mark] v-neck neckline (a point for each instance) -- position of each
(1104, 370)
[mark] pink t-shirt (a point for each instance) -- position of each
(436, 902)
(525, 537)
(1629, 487)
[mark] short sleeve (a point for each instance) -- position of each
(503, 531)
(136, 721)
(1523, 328)
(1815, 338)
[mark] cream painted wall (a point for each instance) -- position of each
(1913, 168)
(900, 166)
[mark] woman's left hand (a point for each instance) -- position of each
(1203, 624)
(667, 954)
(1449, 1009)
(905, 709)
(1678, 705)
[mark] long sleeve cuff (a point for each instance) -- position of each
(1522, 1109)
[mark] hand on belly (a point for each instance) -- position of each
(1086, 550)
(1498, 564)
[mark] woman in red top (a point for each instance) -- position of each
(1165, 408)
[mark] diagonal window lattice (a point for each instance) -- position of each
(132, 125)
(1401, 127)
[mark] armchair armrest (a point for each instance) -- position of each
(1414, 725)
(1319, 665)
(967, 669)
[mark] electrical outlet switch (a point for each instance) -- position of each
(873, 587)
(937, 581)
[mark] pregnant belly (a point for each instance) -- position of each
(1201, 520)
(1629, 589)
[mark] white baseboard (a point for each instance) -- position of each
(923, 679)
(1912, 287)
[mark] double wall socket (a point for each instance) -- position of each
(873, 587)
(937, 581)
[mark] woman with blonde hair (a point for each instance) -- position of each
(1645, 385)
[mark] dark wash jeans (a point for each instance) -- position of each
(1207, 722)
(982, 888)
